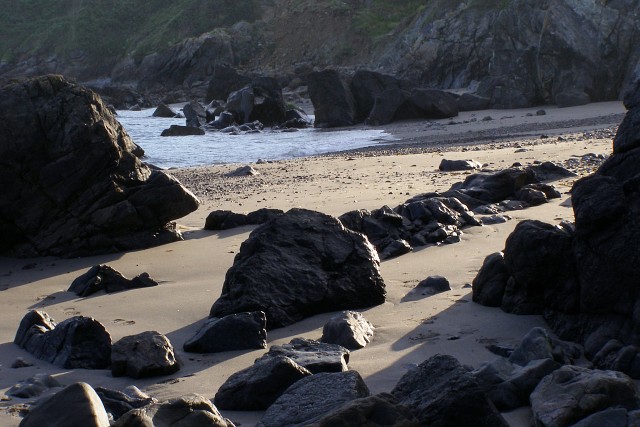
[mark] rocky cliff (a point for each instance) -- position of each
(515, 52)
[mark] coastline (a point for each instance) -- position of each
(408, 330)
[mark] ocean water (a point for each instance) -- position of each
(221, 148)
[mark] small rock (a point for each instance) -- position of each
(34, 386)
(312, 355)
(244, 171)
(433, 285)
(143, 355)
(349, 329)
(242, 331)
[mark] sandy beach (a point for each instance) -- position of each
(408, 329)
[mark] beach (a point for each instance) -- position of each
(408, 328)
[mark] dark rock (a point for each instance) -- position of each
(531, 196)
(225, 79)
(530, 289)
(33, 387)
(77, 342)
(77, 405)
(394, 248)
(491, 281)
(102, 277)
(571, 394)
(390, 105)
(74, 183)
(312, 355)
(311, 398)
(458, 165)
(300, 264)
(118, 403)
(538, 344)
(349, 329)
(189, 410)
(367, 85)
(241, 331)
(549, 171)
(434, 104)
(379, 410)
(240, 104)
(263, 215)
(20, 363)
(628, 134)
(611, 417)
(433, 285)
(257, 387)
(146, 354)
(332, 100)
(572, 98)
(441, 392)
(268, 105)
(163, 110)
(195, 114)
(224, 220)
(177, 130)
(473, 102)
(223, 121)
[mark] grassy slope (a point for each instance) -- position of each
(110, 28)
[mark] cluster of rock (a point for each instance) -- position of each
(105, 278)
(582, 276)
(74, 182)
(246, 110)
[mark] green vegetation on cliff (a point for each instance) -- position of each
(110, 28)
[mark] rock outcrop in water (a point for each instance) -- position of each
(73, 181)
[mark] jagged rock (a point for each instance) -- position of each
(458, 165)
(441, 392)
(177, 130)
(103, 277)
(537, 344)
(379, 410)
(189, 410)
(240, 104)
(312, 355)
(268, 106)
(300, 264)
(74, 183)
(332, 100)
(77, 405)
(163, 110)
(349, 329)
(34, 386)
(258, 386)
(241, 331)
(224, 220)
(311, 398)
(118, 403)
(146, 354)
(390, 105)
(223, 121)
(195, 114)
(77, 342)
(572, 393)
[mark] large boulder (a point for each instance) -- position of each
(242, 331)
(143, 355)
(572, 393)
(74, 184)
(332, 99)
(77, 405)
(441, 392)
(77, 342)
(311, 398)
(367, 85)
(300, 264)
(224, 80)
(258, 386)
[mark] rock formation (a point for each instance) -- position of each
(581, 276)
(74, 183)
(300, 264)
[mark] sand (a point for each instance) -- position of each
(408, 329)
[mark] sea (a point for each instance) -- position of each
(222, 148)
